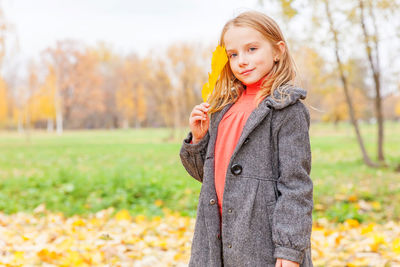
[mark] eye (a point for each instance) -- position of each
(252, 48)
(232, 55)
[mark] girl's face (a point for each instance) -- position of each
(251, 56)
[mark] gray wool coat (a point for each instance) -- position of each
(268, 193)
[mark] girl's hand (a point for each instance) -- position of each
(286, 263)
(199, 121)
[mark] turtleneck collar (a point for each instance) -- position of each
(252, 89)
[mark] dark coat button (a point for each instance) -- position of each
(246, 140)
(236, 169)
(229, 246)
(212, 201)
(230, 210)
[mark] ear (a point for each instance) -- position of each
(280, 50)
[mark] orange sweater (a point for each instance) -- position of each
(229, 131)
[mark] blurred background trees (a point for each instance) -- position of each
(76, 86)
(352, 30)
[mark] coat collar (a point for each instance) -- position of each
(284, 96)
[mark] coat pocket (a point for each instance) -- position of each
(270, 214)
(267, 241)
(277, 194)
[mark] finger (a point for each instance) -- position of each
(204, 107)
(199, 115)
(278, 263)
(198, 118)
(197, 107)
(202, 110)
(198, 112)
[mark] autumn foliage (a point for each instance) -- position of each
(118, 239)
(76, 86)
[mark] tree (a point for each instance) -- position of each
(3, 102)
(162, 93)
(130, 95)
(46, 98)
(4, 97)
(62, 59)
(186, 69)
(371, 45)
(86, 97)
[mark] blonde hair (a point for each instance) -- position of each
(228, 89)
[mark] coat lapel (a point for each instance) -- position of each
(255, 118)
(211, 215)
(218, 117)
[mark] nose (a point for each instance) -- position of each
(243, 61)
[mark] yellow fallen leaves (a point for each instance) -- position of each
(352, 223)
(101, 239)
(396, 245)
(218, 61)
(123, 215)
(355, 244)
(104, 239)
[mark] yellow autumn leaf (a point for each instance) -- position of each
(95, 222)
(79, 222)
(367, 229)
(123, 215)
(376, 205)
(140, 218)
(157, 219)
(73, 258)
(396, 245)
(218, 61)
(48, 256)
(352, 198)
(378, 239)
(158, 202)
(352, 223)
(358, 262)
(19, 255)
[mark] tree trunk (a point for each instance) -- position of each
(58, 105)
(375, 68)
(343, 78)
(125, 124)
(59, 122)
(20, 123)
(50, 125)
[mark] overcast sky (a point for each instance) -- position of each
(129, 25)
(139, 26)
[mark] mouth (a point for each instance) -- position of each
(246, 72)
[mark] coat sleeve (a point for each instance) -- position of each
(193, 155)
(292, 217)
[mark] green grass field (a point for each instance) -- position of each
(82, 172)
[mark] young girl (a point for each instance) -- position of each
(252, 156)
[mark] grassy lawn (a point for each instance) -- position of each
(83, 172)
